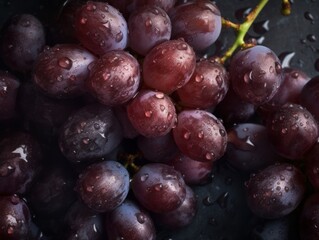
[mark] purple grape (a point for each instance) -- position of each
(22, 40)
(200, 136)
(183, 215)
(193, 172)
(20, 158)
(158, 187)
(60, 71)
(90, 133)
(129, 221)
(100, 27)
(114, 78)
(207, 86)
(312, 166)
(176, 59)
(255, 74)
(275, 191)
(199, 23)
(103, 186)
(9, 86)
(148, 27)
(292, 130)
(249, 148)
(309, 96)
(151, 113)
(15, 218)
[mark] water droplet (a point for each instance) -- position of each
(83, 20)
(309, 16)
(158, 187)
(119, 37)
(223, 199)
(159, 95)
(97, 126)
(187, 135)
(311, 38)
(148, 23)
(86, 140)
(106, 76)
(162, 107)
(199, 78)
(10, 230)
(14, 199)
(200, 134)
(144, 177)
(148, 114)
(261, 27)
(182, 46)
(248, 77)
(222, 132)
(209, 156)
(6, 169)
(208, 201)
(219, 80)
(26, 24)
(284, 130)
(65, 63)
(140, 218)
(278, 67)
(89, 188)
(90, 7)
(130, 82)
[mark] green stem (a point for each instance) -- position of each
(243, 29)
(286, 7)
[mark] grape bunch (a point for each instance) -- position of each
(122, 120)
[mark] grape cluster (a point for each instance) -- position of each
(122, 127)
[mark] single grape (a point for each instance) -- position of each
(207, 86)
(309, 218)
(100, 27)
(249, 148)
(176, 59)
(60, 71)
(9, 86)
(309, 96)
(255, 74)
(200, 136)
(114, 78)
(275, 191)
(83, 223)
(289, 90)
(22, 40)
(129, 221)
(199, 23)
(292, 130)
(193, 172)
(183, 215)
(90, 133)
(15, 218)
(158, 187)
(148, 27)
(20, 158)
(151, 113)
(157, 149)
(103, 186)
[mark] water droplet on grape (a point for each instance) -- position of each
(86, 141)
(10, 230)
(200, 134)
(182, 46)
(83, 20)
(148, 114)
(106, 76)
(65, 63)
(278, 67)
(14, 199)
(119, 37)
(140, 218)
(159, 95)
(89, 188)
(90, 7)
(199, 78)
(248, 77)
(162, 107)
(187, 135)
(144, 177)
(148, 23)
(158, 187)
(222, 132)
(311, 38)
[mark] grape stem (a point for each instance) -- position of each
(242, 29)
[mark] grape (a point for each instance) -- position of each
(20, 157)
(183, 215)
(157, 149)
(193, 172)
(101, 27)
(129, 221)
(114, 78)
(148, 27)
(9, 86)
(292, 130)
(15, 218)
(199, 23)
(207, 86)
(22, 39)
(158, 187)
(289, 90)
(128, 130)
(200, 136)
(249, 148)
(309, 218)
(90, 133)
(83, 223)
(60, 71)
(176, 59)
(309, 96)
(255, 74)
(103, 186)
(151, 113)
(312, 166)
(275, 191)
(164, 4)
(232, 109)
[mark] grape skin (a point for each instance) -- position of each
(200, 135)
